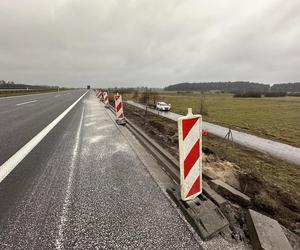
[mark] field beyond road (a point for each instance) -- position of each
(276, 118)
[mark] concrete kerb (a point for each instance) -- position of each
(230, 192)
(265, 233)
(202, 214)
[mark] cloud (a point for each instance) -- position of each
(154, 43)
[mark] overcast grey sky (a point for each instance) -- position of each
(148, 42)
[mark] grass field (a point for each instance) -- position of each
(276, 118)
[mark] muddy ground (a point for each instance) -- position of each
(267, 197)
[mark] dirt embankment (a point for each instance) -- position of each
(240, 167)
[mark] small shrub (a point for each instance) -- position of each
(294, 94)
(135, 95)
(275, 94)
(250, 94)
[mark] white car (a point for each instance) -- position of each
(163, 106)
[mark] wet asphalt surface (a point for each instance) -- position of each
(20, 120)
(83, 187)
(277, 149)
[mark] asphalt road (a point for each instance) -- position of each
(277, 149)
(23, 117)
(82, 186)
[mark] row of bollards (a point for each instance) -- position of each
(103, 97)
(190, 146)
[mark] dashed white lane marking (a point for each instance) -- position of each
(14, 160)
(63, 219)
(57, 96)
(23, 103)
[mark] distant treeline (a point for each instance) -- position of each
(236, 87)
(12, 85)
(131, 89)
(248, 94)
(267, 94)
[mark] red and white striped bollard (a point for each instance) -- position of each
(120, 118)
(99, 93)
(101, 96)
(190, 155)
(106, 101)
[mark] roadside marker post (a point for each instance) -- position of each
(106, 102)
(99, 93)
(101, 96)
(190, 155)
(120, 119)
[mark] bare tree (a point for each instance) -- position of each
(154, 96)
(135, 95)
(145, 97)
(203, 106)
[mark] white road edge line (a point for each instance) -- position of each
(63, 219)
(23, 103)
(14, 160)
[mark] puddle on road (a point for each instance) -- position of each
(121, 147)
(95, 139)
(105, 126)
(89, 124)
(90, 116)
